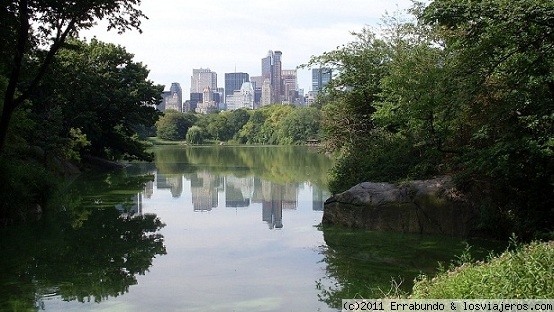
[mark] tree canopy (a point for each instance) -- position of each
(99, 89)
(463, 88)
(31, 27)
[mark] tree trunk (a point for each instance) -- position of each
(7, 112)
(10, 102)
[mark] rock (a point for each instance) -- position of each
(424, 206)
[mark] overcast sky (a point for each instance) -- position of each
(226, 34)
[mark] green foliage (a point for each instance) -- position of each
(525, 273)
(30, 26)
(97, 258)
(98, 88)
(77, 142)
(455, 90)
(26, 184)
(281, 124)
(279, 164)
(361, 264)
(299, 126)
(504, 98)
(195, 135)
(173, 125)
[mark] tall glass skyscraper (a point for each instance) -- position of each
(320, 78)
(234, 81)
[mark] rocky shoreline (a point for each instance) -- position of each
(432, 206)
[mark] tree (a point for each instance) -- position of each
(174, 125)
(237, 120)
(300, 125)
(348, 127)
(195, 135)
(251, 130)
(503, 56)
(28, 25)
(218, 127)
(97, 88)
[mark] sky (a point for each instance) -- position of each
(234, 35)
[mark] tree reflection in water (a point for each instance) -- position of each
(372, 264)
(86, 256)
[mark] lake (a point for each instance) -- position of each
(218, 228)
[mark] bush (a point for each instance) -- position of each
(524, 273)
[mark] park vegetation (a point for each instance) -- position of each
(460, 88)
(270, 125)
(64, 99)
(521, 273)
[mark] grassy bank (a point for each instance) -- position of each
(526, 272)
(157, 141)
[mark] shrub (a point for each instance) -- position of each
(524, 273)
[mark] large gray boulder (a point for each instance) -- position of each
(424, 206)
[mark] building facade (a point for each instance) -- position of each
(277, 82)
(320, 78)
(290, 86)
(266, 93)
(257, 83)
(234, 81)
(208, 104)
(172, 99)
(202, 78)
(243, 98)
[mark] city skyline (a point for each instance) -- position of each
(233, 35)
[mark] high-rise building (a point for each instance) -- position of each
(172, 99)
(257, 83)
(272, 69)
(266, 93)
(267, 66)
(202, 78)
(208, 105)
(243, 98)
(234, 81)
(320, 78)
(290, 86)
(277, 83)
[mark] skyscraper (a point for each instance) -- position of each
(234, 81)
(320, 78)
(266, 93)
(290, 85)
(173, 99)
(202, 78)
(267, 66)
(257, 83)
(243, 98)
(272, 70)
(277, 83)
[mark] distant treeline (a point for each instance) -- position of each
(273, 124)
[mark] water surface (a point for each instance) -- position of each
(205, 229)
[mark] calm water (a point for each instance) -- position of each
(205, 229)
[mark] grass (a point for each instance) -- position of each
(524, 273)
(158, 141)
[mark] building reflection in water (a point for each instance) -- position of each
(205, 187)
(173, 182)
(131, 207)
(318, 198)
(239, 192)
